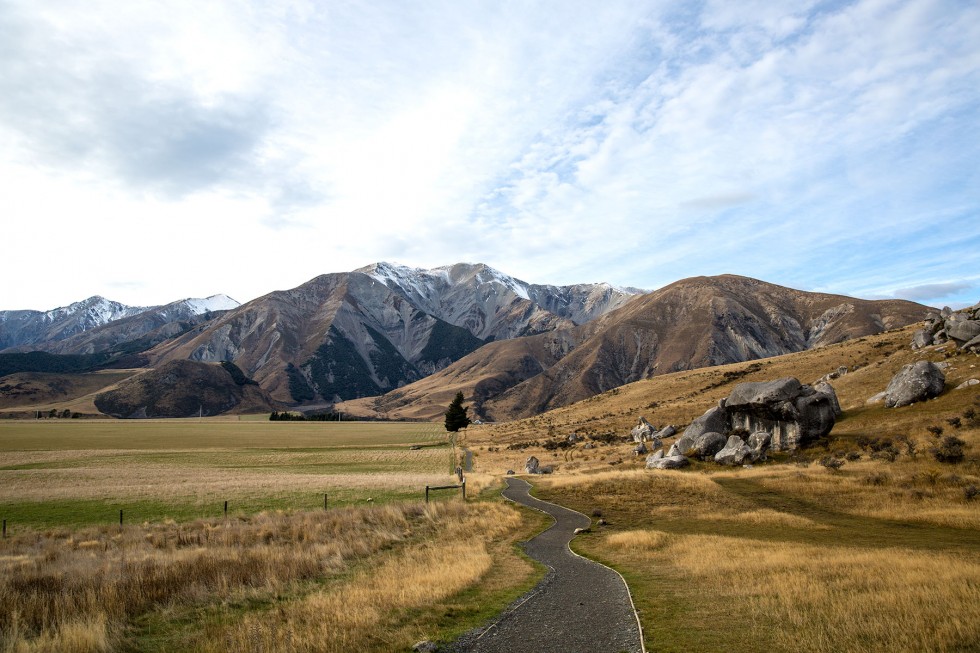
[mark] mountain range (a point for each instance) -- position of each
(391, 341)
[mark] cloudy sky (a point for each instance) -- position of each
(156, 150)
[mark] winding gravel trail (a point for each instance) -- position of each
(579, 607)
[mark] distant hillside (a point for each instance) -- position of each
(693, 323)
(183, 388)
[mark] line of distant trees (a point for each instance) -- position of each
(286, 416)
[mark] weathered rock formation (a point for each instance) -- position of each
(643, 431)
(532, 466)
(791, 412)
(962, 327)
(915, 382)
(659, 461)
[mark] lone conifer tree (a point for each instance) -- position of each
(456, 417)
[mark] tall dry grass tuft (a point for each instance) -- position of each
(75, 591)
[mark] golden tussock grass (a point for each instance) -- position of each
(357, 614)
(76, 590)
(819, 598)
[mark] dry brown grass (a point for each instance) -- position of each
(74, 591)
(798, 597)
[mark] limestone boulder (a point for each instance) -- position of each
(668, 431)
(707, 445)
(916, 382)
(962, 331)
(715, 419)
(532, 466)
(795, 414)
(669, 462)
(735, 452)
(640, 449)
(643, 431)
(654, 457)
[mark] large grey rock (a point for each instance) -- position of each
(707, 445)
(674, 451)
(793, 413)
(922, 338)
(642, 431)
(915, 382)
(715, 419)
(532, 466)
(972, 344)
(962, 331)
(734, 453)
(825, 388)
(764, 392)
(667, 432)
(669, 462)
(654, 457)
(640, 449)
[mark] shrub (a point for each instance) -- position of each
(852, 456)
(970, 492)
(950, 450)
(935, 430)
(877, 478)
(954, 422)
(832, 463)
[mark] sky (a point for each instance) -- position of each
(156, 150)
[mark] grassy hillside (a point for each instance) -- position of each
(880, 554)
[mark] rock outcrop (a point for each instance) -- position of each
(792, 413)
(643, 431)
(915, 382)
(962, 327)
(735, 452)
(532, 466)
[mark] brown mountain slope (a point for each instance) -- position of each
(182, 388)
(693, 323)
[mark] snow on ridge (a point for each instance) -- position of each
(217, 302)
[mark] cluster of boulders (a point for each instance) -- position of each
(645, 432)
(783, 414)
(961, 327)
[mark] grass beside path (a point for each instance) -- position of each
(745, 562)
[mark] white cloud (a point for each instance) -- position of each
(631, 142)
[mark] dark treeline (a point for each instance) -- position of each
(285, 416)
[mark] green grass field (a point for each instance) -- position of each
(71, 472)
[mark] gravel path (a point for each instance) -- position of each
(579, 607)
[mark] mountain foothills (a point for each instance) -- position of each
(397, 342)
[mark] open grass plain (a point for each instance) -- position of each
(377, 570)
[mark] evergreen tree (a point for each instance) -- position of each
(456, 417)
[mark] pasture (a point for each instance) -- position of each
(75, 472)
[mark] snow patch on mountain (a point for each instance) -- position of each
(213, 303)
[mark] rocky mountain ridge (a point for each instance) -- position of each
(75, 329)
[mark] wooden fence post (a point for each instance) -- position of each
(427, 494)
(120, 518)
(324, 500)
(226, 509)
(464, 489)
(5, 528)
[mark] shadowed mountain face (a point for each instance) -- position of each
(692, 323)
(184, 389)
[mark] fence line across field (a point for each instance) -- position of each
(462, 486)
